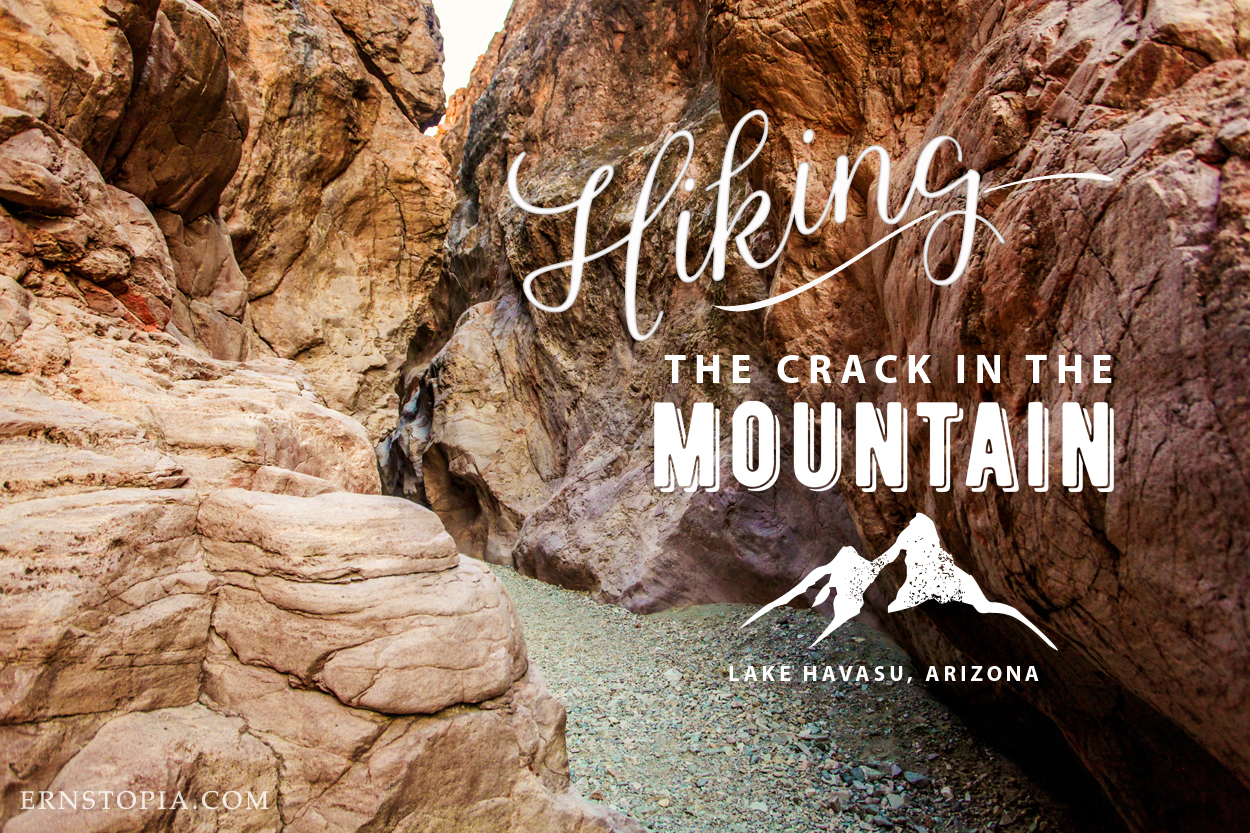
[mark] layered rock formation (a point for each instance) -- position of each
(528, 433)
(203, 588)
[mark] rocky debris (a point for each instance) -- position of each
(657, 727)
(340, 237)
(530, 432)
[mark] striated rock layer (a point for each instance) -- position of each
(528, 433)
(197, 565)
(203, 588)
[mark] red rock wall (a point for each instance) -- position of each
(529, 431)
(1144, 588)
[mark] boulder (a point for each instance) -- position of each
(147, 759)
(181, 136)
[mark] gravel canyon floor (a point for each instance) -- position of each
(658, 728)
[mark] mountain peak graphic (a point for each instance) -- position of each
(932, 575)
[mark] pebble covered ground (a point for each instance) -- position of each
(659, 729)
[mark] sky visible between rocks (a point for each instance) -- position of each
(468, 26)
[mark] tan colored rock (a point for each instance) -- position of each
(31, 414)
(317, 738)
(419, 758)
(204, 264)
(211, 310)
(141, 388)
(67, 64)
(127, 600)
(346, 768)
(169, 513)
(411, 644)
(480, 442)
(14, 311)
(182, 133)
(304, 538)
(340, 239)
(37, 751)
(401, 46)
(42, 469)
(351, 301)
(104, 237)
(176, 147)
(189, 751)
(286, 482)
(80, 635)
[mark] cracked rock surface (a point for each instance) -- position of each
(529, 432)
(339, 206)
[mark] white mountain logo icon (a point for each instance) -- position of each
(931, 575)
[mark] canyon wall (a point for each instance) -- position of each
(1144, 586)
(529, 431)
(340, 204)
(203, 588)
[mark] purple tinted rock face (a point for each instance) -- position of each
(1144, 587)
